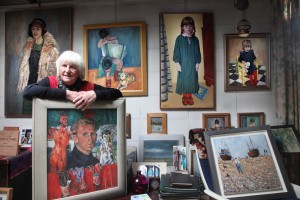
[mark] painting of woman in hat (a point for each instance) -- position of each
(39, 56)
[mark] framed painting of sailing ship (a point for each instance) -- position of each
(286, 138)
(251, 119)
(215, 120)
(79, 154)
(245, 164)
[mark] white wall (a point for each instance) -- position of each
(178, 122)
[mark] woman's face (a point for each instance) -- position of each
(69, 73)
(36, 32)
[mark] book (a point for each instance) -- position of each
(140, 197)
(165, 186)
(181, 180)
(202, 92)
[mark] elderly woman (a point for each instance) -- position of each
(69, 84)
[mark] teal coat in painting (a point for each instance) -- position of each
(187, 54)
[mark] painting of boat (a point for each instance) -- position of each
(225, 153)
(253, 150)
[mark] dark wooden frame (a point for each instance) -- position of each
(206, 117)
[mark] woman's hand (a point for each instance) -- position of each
(84, 99)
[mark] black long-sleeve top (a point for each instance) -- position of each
(43, 90)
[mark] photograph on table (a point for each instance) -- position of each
(116, 56)
(287, 138)
(179, 158)
(247, 62)
(187, 63)
(25, 139)
(245, 164)
(85, 151)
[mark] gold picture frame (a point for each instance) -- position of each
(128, 51)
(215, 120)
(157, 123)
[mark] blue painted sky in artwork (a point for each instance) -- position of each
(237, 144)
(159, 148)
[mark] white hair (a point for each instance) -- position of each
(74, 58)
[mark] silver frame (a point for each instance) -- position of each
(162, 137)
(39, 148)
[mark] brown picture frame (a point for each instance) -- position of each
(210, 120)
(258, 118)
(7, 192)
(157, 123)
(237, 79)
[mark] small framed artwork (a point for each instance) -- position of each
(251, 119)
(116, 56)
(128, 125)
(6, 193)
(286, 138)
(189, 85)
(25, 139)
(215, 120)
(158, 147)
(247, 62)
(96, 136)
(239, 155)
(157, 123)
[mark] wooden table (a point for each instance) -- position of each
(16, 172)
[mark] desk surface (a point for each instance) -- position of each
(154, 196)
